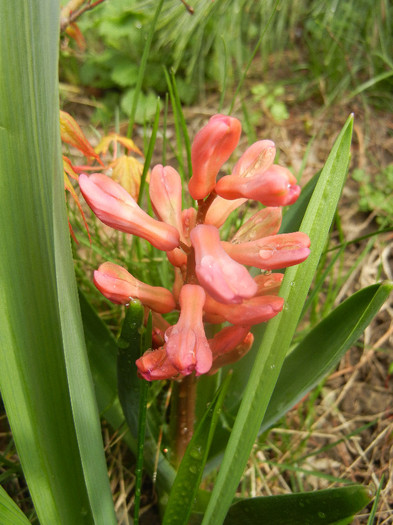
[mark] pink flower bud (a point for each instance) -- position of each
(186, 343)
(271, 253)
(220, 209)
(155, 365)
(250, 312)
(212, 147)
(268, 284)
(258, 157)
(273, 187)
(119, 286)
(177, 257)
(230, 345)
(189, 222)
(116, 208)
(165, 192)
(263, 223)
(226, 339)
(223, 278)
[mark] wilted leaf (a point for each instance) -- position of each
(72, 134)
(127, 171)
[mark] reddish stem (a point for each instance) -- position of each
(186, 397)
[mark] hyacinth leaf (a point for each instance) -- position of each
(129, 350)
(322, 348)
(10, 513)
(189, 475)
(280, 330)
(322, 507)
(44, 377)
(102, 351)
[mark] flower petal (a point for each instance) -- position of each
(222, 277)
(116, 208)
(273, 252)
(212, 147)
(186, 343)
(119, 286)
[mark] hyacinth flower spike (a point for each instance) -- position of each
(119, 286)
(115, 207)
(185, 342)
(211, 148)
(222, 277)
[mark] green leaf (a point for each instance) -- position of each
(129, 350)
(323, 348)
(10, 513)
(280, 330)
(44, 378)
(189, 475)
(324, 507)
(321, 507)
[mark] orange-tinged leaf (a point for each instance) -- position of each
(72, 134)
(69, 187)
(127, 171)
(74, 32)
(69, 168)
(114, 137)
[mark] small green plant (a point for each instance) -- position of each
(376, 194)
(270, 100)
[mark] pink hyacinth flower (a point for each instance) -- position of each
(268, 284)
(155, 365)
(262, 224)
(258, 157)
(220, 209)
(165, 190)
(250, 312)
(271, 253)
(226, 339)
(222, 277)
(275, 186)
(229, 345)
(119, 286)
(186, 344)
(211, 148)
(116, 208)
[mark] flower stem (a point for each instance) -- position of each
(186, 396)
